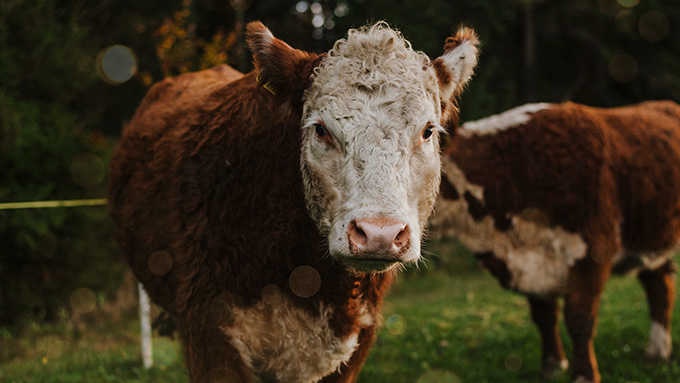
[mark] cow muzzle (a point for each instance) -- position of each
(377, 244)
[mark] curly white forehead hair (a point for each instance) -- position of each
(371, 58)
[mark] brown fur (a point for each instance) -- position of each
(464, 34)
(610, 175)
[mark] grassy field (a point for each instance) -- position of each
(440, 327)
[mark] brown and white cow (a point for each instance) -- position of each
(553, 197)
(269, 211)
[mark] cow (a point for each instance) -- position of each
(269, 212)
(553, 197)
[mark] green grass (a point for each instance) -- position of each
(440, 327)
(467, 329)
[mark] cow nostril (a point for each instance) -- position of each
(360, 233)
(357, 236)
(402, 238)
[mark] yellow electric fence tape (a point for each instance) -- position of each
(49, 204)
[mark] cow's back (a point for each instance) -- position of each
(177, 93)
(143, 180)
(646, 146)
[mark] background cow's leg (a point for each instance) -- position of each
(659, 285)
(580, 309)
(209, 356)
(545, 314)
(350, 372)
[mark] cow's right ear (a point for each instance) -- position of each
(282, 70)
(455, 68)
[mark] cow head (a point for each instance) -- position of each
(371, 123)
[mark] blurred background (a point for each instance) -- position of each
(73, 72)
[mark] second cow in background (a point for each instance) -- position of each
(552, 198)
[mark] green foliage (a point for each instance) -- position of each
(44, 141)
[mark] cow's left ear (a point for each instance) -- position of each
(455, 67)
(282, 70)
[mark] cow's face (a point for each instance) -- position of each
(370, 156)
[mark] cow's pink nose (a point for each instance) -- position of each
(381, 236)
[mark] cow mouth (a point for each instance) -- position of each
(370, 263)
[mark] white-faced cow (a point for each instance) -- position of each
(268, 211)
(553, 197)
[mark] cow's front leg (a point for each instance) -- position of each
(210, 358)
(659, 286)
(349, 372)
(545, 314)
(580, 313)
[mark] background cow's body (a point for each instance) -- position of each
(552, 197)
(214, 217)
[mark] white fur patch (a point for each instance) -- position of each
(375, 95)
(537, 256)
(281, 341)
(659, 345)
(564, 364)
(654, 260)
(461, 62)
(506, 120)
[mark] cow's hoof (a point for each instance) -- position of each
(659, 346)
(554, 366)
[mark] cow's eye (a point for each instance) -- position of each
(324, 135)
(427, 132)
(320, 130)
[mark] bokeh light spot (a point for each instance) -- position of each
(83, 300)
(240, 5)
(301, 7)
(601, 253)
(341, 9)
(56, 349)
(164, 352)
(653, 26)
(117, 64)
(513, 362)
(395, 324)
(87, 170)
(160, 262)
(317, 21)
(439, 376)
(623, 68)
(304, 281)
(625, 21)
